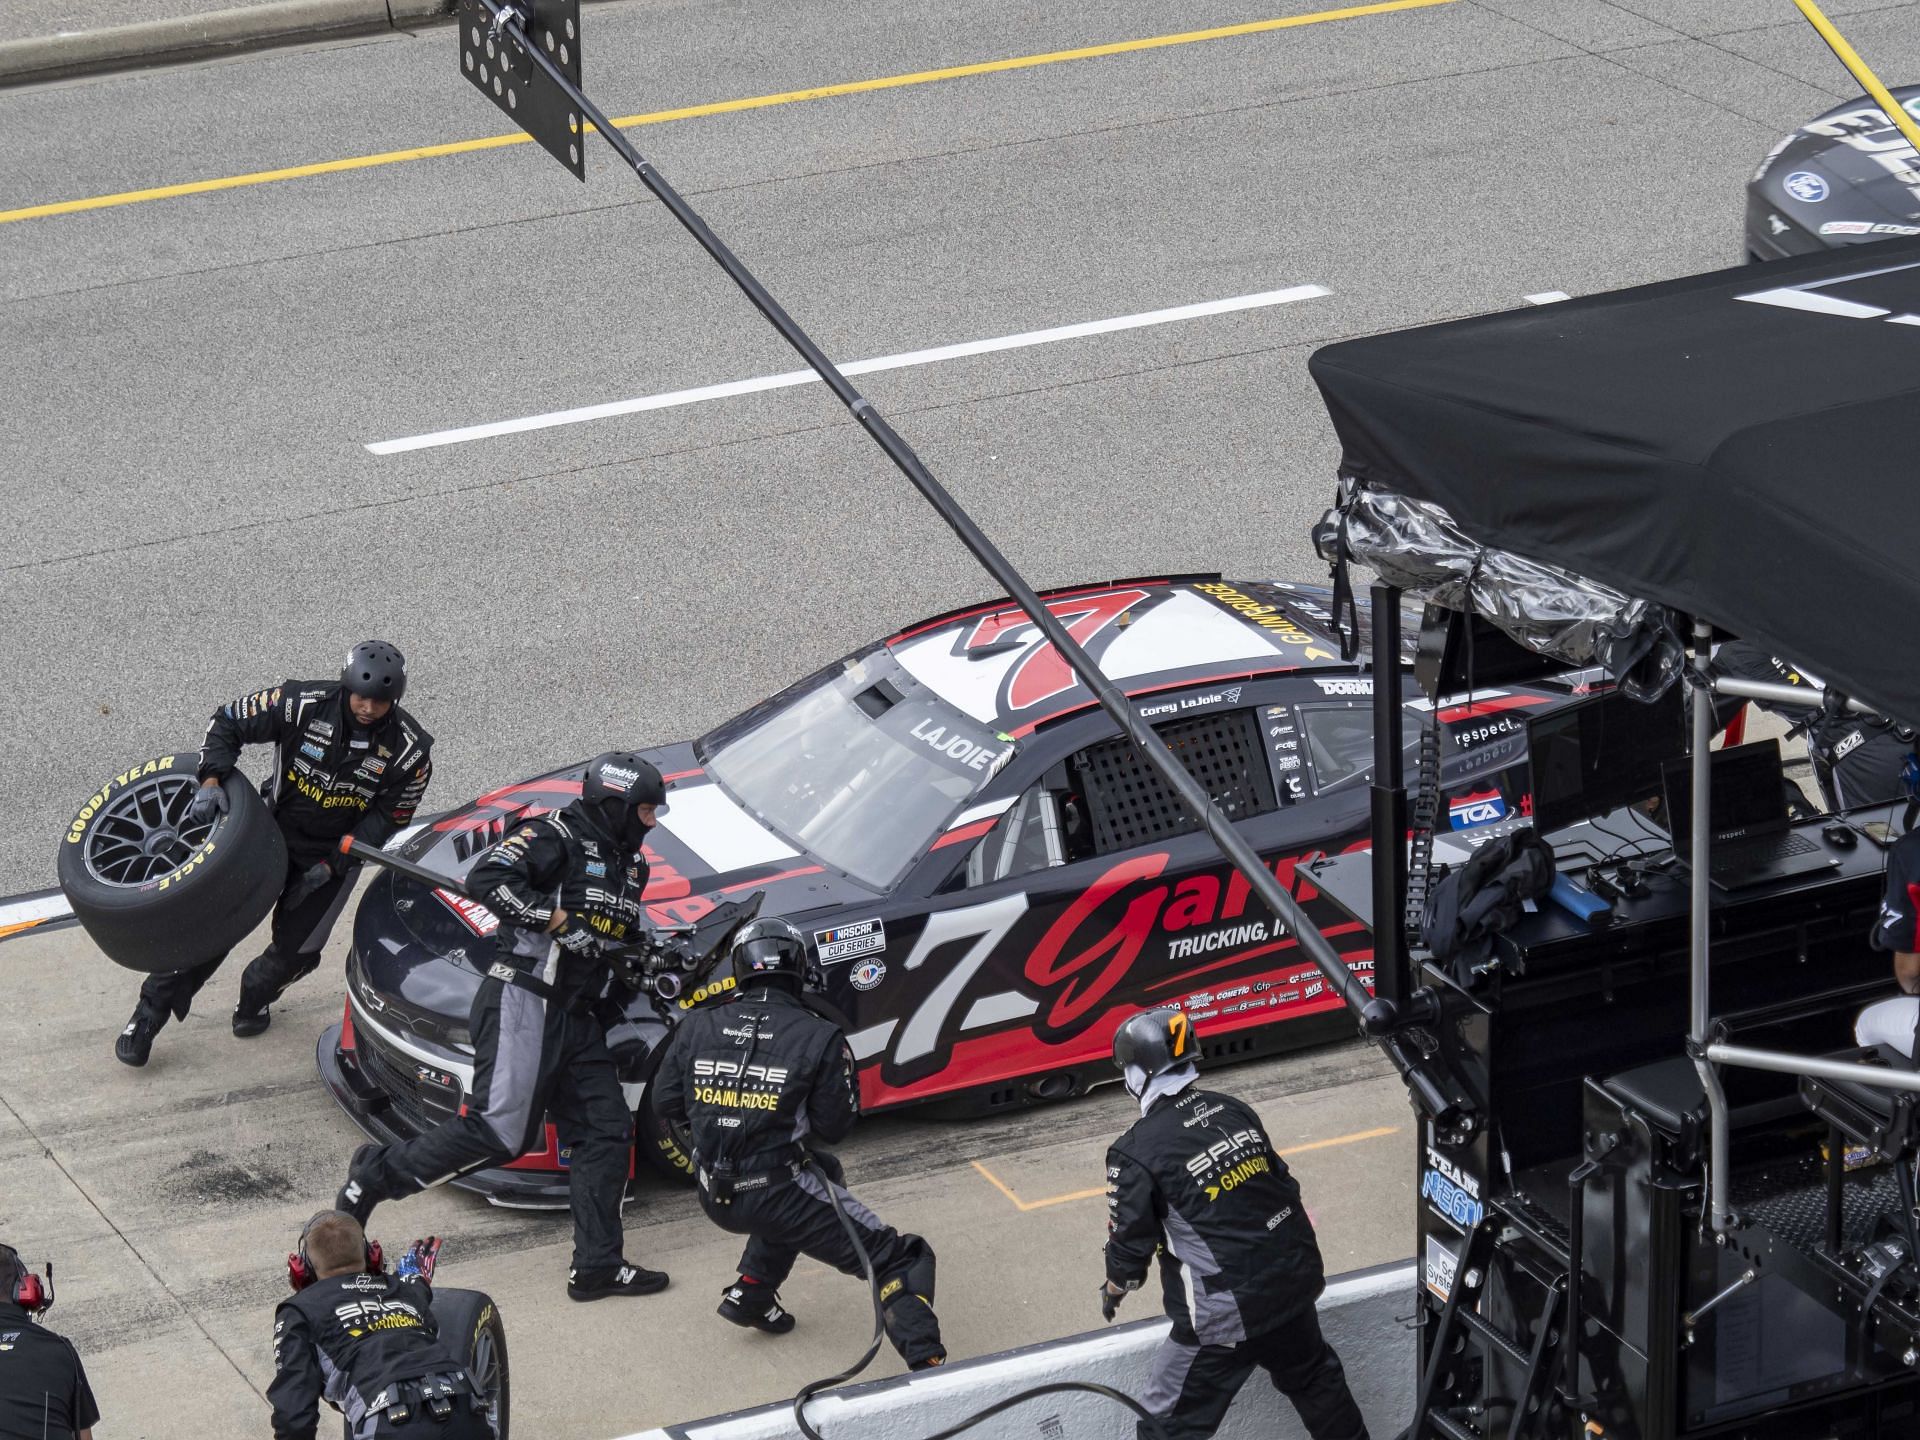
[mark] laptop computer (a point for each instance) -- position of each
(1753, 838)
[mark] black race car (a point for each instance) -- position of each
(1844, 178)
(990, 875)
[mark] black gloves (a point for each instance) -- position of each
(208, 801)
(311, 879)
(577, 939)
(1110, 1301)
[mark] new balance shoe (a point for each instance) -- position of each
(621, 1280)
(135, 1044)
(757, 1307)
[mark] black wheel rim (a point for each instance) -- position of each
(143, 834)
(485, 1366)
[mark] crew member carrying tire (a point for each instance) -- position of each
(760, 1081)
(567, 888)
(1197, 1182)
(348, 760)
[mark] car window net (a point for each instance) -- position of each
(1129, 804)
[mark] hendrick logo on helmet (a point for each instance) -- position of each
(614, 777)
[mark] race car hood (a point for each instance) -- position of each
(1846, 177)
(705, 849)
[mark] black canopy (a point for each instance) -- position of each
(1740, 446)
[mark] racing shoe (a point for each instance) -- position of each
(623, 1279)
(757, 1307)
(249, 1023)
(355, 1198)
(135, 1044)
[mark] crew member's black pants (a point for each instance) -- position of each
(1192, 1385)
(531, 1059)
(301, 925)
(796, 1218)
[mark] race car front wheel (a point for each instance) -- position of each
(663, 1147)
(158, 891)
(470, 1328)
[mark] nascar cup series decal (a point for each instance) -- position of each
(1450, 1191)
(862, 937)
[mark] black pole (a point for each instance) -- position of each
(508, 20)
(1389, 804)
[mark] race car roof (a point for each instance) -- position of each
(992, 663)
(1739, 446)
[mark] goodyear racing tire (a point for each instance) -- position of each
(663, 1147)
(470, 1327)
(157, 892)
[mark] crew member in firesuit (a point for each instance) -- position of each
(567, 887)
(366, 1342)
(347, 761)
(762, 1082)
(1197, 1181)
(44, 1393)
(1892, 1023)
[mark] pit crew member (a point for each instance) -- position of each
(760, 1082)
(365, 1341)
(44, 1393)
(1891, 1022)
(1197, 1181)
(348, 760)
(567, 889)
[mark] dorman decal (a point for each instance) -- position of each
(1041, 673)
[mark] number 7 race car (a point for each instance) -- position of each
(990, 875)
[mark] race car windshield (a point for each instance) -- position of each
(861, 769)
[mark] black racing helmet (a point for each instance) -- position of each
(767, 950)
(375, 671)
(615, 783)
(1156, 1041)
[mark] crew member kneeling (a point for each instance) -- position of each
(365, 1342)
(1891, 1023)
(760, 1080)
(1197, 1180)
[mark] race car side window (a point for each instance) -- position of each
(1027, 838)
(1128, 804)
(1340, 742)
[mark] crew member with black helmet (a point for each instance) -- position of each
(347, 761)
(567, 887)
(1197, 1182)
(762, 1082)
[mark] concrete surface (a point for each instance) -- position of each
(191, 379)
(1359, 1315)
(168, 1197)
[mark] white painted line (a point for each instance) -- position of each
(1547, 297)
(672, 398)
(24, 912)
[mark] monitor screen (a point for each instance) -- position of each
(1749, 793)
(1600, 754)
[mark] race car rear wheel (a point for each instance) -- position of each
(470, 1327)
(155, 890)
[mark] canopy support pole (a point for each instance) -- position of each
(1701, 882)
(1389, 804)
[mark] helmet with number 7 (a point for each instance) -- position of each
(1156, 1041)
(768, 950)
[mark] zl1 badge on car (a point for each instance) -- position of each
(863, 937)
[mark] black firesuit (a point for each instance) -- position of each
(538, 1047)
(760, 1081)
(369, 1345)
(1197, 1180)
(331, 778)
(43, 1386)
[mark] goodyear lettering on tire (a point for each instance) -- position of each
(100, 796)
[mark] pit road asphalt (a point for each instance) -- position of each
(192, 379)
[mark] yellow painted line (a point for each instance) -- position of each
(1023, 1206)
(719, 107)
